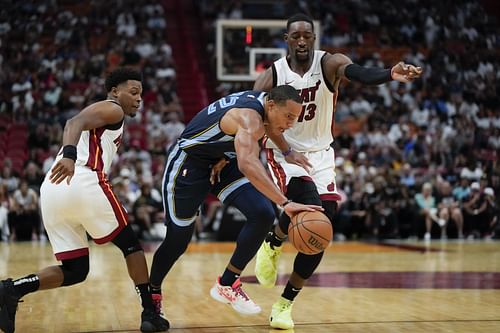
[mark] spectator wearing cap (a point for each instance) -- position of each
(492, 213)
(474, 208)
(127, 179)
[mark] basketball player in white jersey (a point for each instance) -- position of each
(316, 75)
(76, 197)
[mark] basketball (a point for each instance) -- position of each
(310, 232)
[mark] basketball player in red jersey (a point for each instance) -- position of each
(76, 198)
(316, 75)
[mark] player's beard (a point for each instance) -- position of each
(302, 57)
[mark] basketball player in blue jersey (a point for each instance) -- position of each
(218, 152)
(316, 75)
(76, 198)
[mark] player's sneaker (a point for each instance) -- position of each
(152, 322)
(8, 306)
(157, 298)
(266, 264)
(281, 314)
(235, 296)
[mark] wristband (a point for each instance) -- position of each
(286, 203)
(69, 151)
(287, 152)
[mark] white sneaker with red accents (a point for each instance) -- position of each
(235, 296)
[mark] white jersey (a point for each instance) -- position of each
(87, 204)
(313, 130)
(97, 147)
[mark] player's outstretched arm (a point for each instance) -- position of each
(405, 72)
(340, 66)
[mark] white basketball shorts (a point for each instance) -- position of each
(322, 173)
(88, 204)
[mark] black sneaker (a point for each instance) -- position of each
(8, 306)
(152, 322)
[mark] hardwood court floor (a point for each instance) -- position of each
(360, 287)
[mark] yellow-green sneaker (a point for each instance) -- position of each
(266, 264)
(281, 314)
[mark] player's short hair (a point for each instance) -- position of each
(120, 75)
(281, 94)
(299, 17)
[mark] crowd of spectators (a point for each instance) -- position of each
(54, 56)
(414, 160)
(395, 142)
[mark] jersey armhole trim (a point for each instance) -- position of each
(116, 126)
(327, 82)
(275, 75)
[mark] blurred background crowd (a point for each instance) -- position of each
(413, 161)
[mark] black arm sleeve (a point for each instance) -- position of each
(367, 75)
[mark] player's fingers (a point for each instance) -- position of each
(316, 207)
(58, 178)
(307, 163)
(55, 170)
(310, 208)
(419, 70)
(62, 175)
(54, 175)
(68, 180)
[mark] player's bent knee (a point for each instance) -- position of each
(265, 214)
(127, 242)
(75, 270)
(303, 191)
(330, 208)
(305, 265)
(256, 207)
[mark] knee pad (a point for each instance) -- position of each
(75, 270)
(330, 209)
(305, 265)
(126, 241)
(301, 191)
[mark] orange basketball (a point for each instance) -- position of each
(310, 232)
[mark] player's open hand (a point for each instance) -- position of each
(216, 170)
(293, 208)
(405, 73)
(299, 159)
(64, 169)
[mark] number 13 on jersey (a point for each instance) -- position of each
(308, 112)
